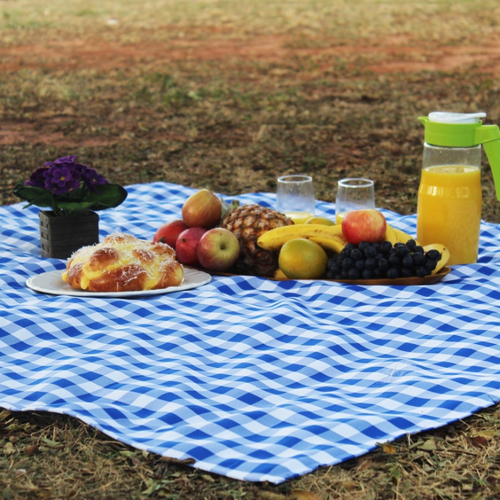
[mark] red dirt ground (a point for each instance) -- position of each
(397, 54)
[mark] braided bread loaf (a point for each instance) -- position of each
(123, 263)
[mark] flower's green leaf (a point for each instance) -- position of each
(35, 196)
(109, 196)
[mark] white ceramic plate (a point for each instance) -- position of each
(52, 283)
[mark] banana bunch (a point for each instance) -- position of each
(328, 237)
(396, 235)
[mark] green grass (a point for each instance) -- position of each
(446, 21)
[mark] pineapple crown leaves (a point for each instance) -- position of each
(227, 207)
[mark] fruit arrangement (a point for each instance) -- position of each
(221, 237)
(363, 247)
(256, 240)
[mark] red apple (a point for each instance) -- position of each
(202, 209)
(364, 225)
(218, 249)
(187, 244)
(169, 232)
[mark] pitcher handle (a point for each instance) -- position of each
(489, 137)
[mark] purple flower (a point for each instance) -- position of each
(37, 178)
(65, 159)
(64, 175)
(60, 179)
(93, 179)
(67, 187)
(78, 170)
(69, 163)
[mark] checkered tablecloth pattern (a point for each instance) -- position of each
(254, 379)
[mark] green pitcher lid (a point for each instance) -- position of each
(463, 130)
(452, 129)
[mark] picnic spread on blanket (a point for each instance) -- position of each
(252, 377)
(260, 337)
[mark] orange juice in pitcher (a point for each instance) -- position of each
(449, 196)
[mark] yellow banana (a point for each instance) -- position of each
(329, 237)
(390, 234)
(445, 255)
(403, 237)
(331, 243)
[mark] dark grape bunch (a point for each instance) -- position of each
(382, 260)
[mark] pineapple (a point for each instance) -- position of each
(248, 222)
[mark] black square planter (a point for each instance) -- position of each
(60, 236)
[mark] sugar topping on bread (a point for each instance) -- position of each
(122, 262)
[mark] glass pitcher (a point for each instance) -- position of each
(450, 195)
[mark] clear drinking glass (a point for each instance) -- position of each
(295, 197)
(354, 193)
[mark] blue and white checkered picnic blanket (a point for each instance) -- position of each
(254, 379)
